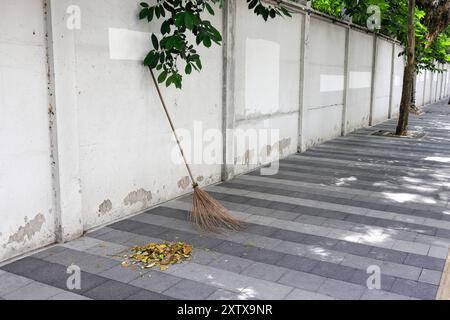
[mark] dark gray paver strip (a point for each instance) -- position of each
(55, 275)
(303, 209)
(332, 244)
(444, 233)
(305, 264)
(295, 262)
(265, 267)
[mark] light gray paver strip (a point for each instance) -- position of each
(314, 228)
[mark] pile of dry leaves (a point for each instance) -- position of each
(158, 255)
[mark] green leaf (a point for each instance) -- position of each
(143, 14)
(188, 69)
(189, 20)
(162, 77)
(207, 41)
(209, 8)
(155, 42)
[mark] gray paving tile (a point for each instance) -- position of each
(259, 229)
(221, 294)
(299, 294)
(33, 291)
(265, 290)
(204, 256)
(50, 273)
(261, 211)
(361, 277)
(24, 267)
(190, 290)
(48, 252)
(282, 206)
(262, 255)
(341, 290)
(124, 274)
(323, 242)
(287, 235)
(81, 244)
(415, 289)
(425, 262)
(67, 257)
(88, 281)
(156, 281)
(207, 242)
(430, 276)
(353, 248)
(302, 280)
(95, 264)
(65, 296)
(230, 263)
(382, 295)
(387, 255)
(264, 271)
(333, 271)
(10, 282)
(144, 295)
(111, 290)
(298, 263)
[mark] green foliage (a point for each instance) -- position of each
(394, 14)
(183, 20)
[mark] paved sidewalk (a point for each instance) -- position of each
(313, 230)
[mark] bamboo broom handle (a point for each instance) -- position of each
(194, 182)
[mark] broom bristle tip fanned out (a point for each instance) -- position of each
(209, 215)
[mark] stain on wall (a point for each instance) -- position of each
(105, 207)
(184, 183)
(139, 196)
(28, 230)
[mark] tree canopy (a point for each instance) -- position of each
(183, 20)
(431, 21)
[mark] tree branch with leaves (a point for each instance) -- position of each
(183, 20)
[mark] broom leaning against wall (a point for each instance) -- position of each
(207, 214)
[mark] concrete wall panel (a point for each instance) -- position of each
(325, 82)
(360, 79)
(26, 191)
(383, 81)
(397, 85)
(267, 75)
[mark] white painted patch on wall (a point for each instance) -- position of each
(127, 44)
(397, 81)
(360, 80)
(262, 76)
(331, 82)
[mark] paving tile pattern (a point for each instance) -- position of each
(313, 231)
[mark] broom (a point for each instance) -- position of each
(207, 214)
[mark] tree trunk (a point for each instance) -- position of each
(408, 76)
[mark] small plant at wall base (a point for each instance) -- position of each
(181, 18)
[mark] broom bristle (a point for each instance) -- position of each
(209, 215)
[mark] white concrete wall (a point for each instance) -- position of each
(397, 80)
(84, 140)
(26, 192)
(125, 139)
(324, 82)
(267, 71)
(383, 71)
(420, 88)
(428, 83)
(360, 80)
